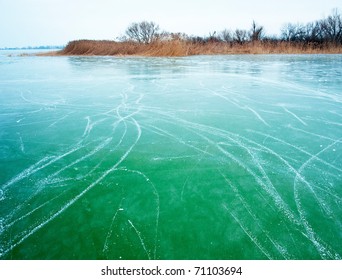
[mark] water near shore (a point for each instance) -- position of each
(208, 157)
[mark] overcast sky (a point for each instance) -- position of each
(55, 22)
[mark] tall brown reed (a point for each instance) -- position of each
(184, 48)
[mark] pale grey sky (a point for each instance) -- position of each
(55, 22)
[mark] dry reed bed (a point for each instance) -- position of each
(186, 48)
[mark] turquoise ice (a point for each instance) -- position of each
(205, 157)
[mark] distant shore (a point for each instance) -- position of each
(174, 48)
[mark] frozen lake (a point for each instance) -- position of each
(208, 157)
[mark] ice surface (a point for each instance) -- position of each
(208, 157)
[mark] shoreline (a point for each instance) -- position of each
(180, 48)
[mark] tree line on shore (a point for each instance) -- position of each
(324, 31)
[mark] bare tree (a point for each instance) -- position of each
(313, 32)
(226, 35)
(256, 33)
(293, 32)
(286, 32)
(240, 36)
(143, 32)
(331, 27)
